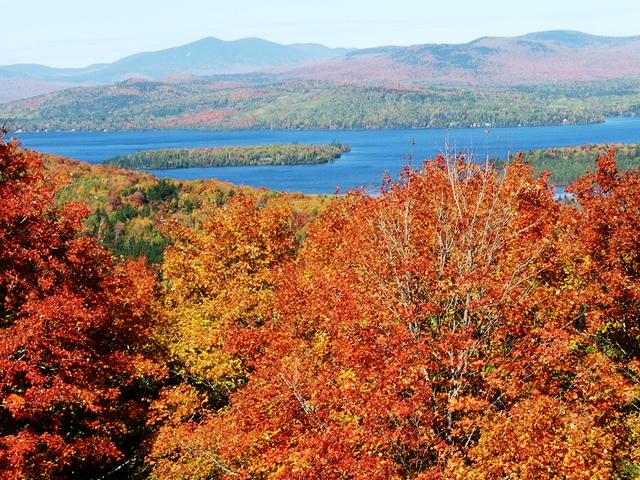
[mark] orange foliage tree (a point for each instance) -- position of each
(605, 229)
(434, 331)
(75, 363)
(220, 282)
(461, 324)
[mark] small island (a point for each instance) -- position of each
(275, 154)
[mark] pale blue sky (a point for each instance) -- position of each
(77, 33)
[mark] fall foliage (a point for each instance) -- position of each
(439, 330)
(127, 210)
(76, 366)
(462, 324)
(205, 104)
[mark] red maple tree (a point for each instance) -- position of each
(75, 358)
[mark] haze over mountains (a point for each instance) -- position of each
(533, 59)
(206, 57)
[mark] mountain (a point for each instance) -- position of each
(533, 59)
(573, 39)
(18, 85)
(209, 56)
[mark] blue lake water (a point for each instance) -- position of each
(374, 152)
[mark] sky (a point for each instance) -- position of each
(78, 33)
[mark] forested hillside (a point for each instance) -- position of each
(535, 59)
(460, 324)
(566, 164)
(127, 211)
(216, 105)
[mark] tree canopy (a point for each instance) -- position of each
(76, 362)
(460, 324)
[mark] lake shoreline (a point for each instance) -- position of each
(374, 152)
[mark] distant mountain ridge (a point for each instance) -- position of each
(532, 59)
(574, 39)
(206, 57)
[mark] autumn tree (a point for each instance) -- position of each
(605, 230)
(419, 329)
(605, 240)
(75, 360)
(220, 281)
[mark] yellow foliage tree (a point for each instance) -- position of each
(220, 281)
(222, 275)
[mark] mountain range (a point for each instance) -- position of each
(533, 59)
(206, 57)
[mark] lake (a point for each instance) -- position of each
(374, 152)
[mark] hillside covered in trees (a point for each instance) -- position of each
(126, 210)
(460, 324)
(208, 104)
(566, 164)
